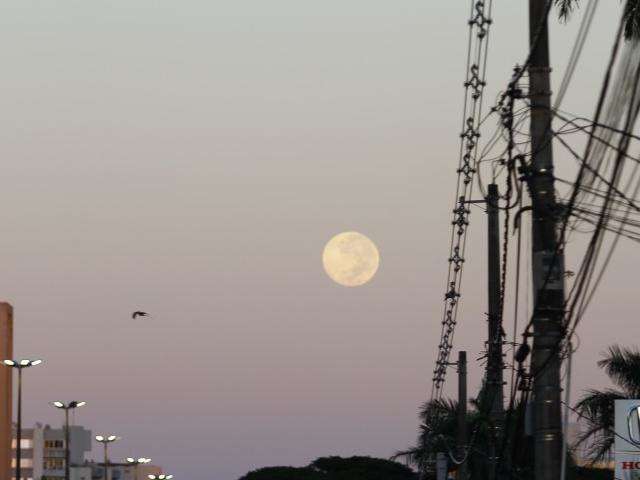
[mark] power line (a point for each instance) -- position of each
(472, 116)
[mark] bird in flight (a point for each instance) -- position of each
(139, 313)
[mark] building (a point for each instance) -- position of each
(81, 472)
(43, 457)
(43, 451)
(6, 352)
(121, 471)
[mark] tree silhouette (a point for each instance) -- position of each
(337, 468)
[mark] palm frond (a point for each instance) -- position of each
(623, 366)
(631, 15)
(442, 407)
(632, 19)
(411, 456)
(565, 8)
(597, 408)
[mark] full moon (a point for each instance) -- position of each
(350, 259)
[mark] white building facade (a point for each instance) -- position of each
(43, 451)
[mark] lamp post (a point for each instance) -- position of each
(162, 476)
(66, 407)
(20, 365)
(106, 440)
(136, 462)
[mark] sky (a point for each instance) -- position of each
(191, 159)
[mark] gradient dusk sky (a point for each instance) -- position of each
(191, 159)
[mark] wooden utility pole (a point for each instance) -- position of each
(462, 415)
(547, 257)
(494, 393)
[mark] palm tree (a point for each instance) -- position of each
(438, 430)
(622, 365)
(631, 15)
(438, 433)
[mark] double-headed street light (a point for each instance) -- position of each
(66, 407)
(20, 365)
(162, 476)
(135, 462)
(106, 440)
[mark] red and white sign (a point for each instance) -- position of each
(627, 441)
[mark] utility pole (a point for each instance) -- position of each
(547, 257)
(462, 415)
(67, 447)
(19, 429)
(106, 461)
(442, 467)
(494, 393)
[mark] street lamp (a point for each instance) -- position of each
(20, 365)
(162, 476)
(106, 440)
(135, 462)
(66, 407)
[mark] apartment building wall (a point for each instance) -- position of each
(6, 390)
(43, 451)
